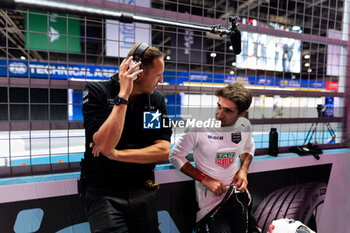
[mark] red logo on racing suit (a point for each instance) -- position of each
(271, 228)
(224, 159)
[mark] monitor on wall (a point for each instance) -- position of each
(266, 52)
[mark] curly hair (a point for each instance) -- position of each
(238, 94)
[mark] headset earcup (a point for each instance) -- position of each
(136, 77)
(137, 56)
(133, 62)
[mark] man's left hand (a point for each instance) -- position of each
(240, 180)
(95, 149)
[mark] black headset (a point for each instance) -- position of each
(137, 56)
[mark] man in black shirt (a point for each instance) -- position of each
(123, 121)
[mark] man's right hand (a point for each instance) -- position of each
(126, 75)
(215, 186)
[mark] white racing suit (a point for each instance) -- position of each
(216, 153)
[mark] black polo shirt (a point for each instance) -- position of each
(97, 105)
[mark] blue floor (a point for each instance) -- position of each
(290, 138)
(76, 157)
(76, 175)
(261, 141)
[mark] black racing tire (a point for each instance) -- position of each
(298, 202)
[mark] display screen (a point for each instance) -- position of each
(265, 52)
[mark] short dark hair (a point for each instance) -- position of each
(238, 94)
(150, 54)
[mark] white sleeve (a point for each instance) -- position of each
(249, 146)
(183, 146)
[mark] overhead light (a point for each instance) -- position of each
(167, 57)
(233, 63)
(231, 47)
(213, 54)
(23, 57)
(232, 72)
(309, 70)
(307, 56)
(307, 64)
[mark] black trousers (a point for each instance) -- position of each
(231, 217)
(131, 211)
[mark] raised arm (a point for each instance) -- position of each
(108, 135)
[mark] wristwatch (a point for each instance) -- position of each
(119, 100)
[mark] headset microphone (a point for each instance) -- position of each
(235, 35)
(235, 38)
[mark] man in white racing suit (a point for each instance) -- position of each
(221, 181)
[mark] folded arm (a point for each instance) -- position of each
(108, 135)
(159, 151)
